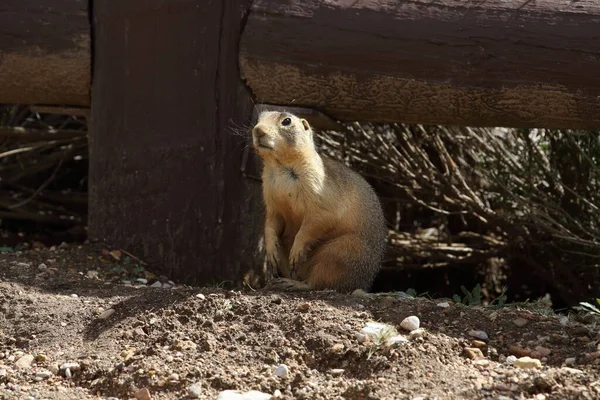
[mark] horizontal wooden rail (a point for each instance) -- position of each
(486, 63)
(45, 55)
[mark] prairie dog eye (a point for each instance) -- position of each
(286, 121)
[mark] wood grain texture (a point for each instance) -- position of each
(514, 63)
(45, 54)
(165, 179)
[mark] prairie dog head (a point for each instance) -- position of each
(281, 136)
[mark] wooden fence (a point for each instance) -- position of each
(168, 81)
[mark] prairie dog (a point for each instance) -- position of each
(324, 225)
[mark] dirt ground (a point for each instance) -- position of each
(74, 326)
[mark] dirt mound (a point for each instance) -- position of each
(71, 328)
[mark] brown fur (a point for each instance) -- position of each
(324, 225)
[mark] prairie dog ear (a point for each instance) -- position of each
(305, 124)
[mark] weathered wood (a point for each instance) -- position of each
(45, 52)
(509, 63)
(165, 173)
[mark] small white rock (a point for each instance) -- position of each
(25, 361)
(44, 374)
(230, 395)
(237, 395)
(572, 370)
(527, 363)
(443, 304)
(142, 281)
(510, 360)
(156, 284)
(481, 363)
(92, 274)
(42, 267)
(201, 296)
(282, 371)
(410, 323)
(570, 361)
(564, 320)
(256, 395)
(195, 390)
(417, 333)
(337, 371)
(478, 334)
(74, 367)
(277, 394)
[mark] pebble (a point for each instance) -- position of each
(54, 369)
(92, 274)
(417, 333)
(201, 296)
(25, 361)
(106, 314)
(143, 394)
(481, 363)
(478, 343)
(570, 361)
(337, 348)
(503, 387)
(195, 390)
(510, 360)
(337, 371)
(282, 371)
(142, 281)
(544, 352)
(3, 372)
(410, 323)
(303, 307)
(527, 362)
(520, 322)
(44, 375)
(443, 304)
(40, 357)
(156, 284)
(139, 332)
(519, 351)
(277, 394)
(571, 370)
(237, 395)
(481, 335)
(74, 367)
(359, 293)
(473, 353)
(42, 267)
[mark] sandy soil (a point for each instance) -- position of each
(70, 328)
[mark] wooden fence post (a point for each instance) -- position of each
(165, 180)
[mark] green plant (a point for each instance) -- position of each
(592, 309)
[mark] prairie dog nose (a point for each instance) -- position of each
(259, 131)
